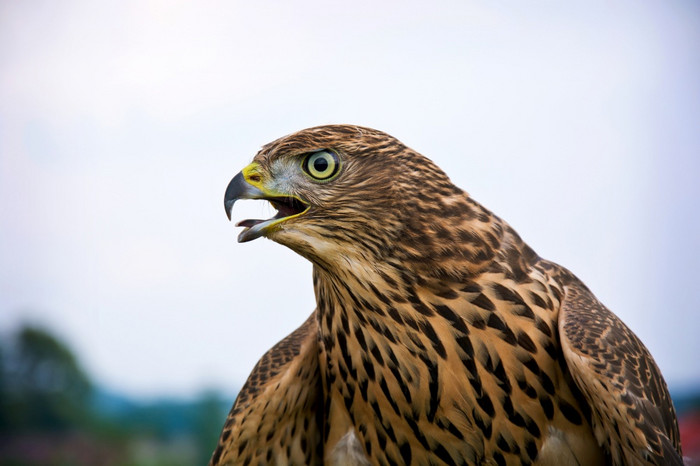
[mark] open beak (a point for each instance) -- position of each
(287, 207)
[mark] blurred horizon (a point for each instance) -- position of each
(52, 413)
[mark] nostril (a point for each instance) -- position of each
(254, 178)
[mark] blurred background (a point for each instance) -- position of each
(129, 315)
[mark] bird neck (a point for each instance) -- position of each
(456, 239)
(431, 255)
(432, 249)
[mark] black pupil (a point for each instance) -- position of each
(320, 165)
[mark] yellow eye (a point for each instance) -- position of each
(321, 165)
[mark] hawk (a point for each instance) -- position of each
(439, 336)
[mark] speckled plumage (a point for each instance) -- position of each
(439, 336)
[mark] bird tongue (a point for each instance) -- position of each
(248, 223)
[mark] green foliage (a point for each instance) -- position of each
(43, 386)
(51, 414)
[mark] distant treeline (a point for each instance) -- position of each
(51, 413)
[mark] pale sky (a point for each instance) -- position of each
(121, 123)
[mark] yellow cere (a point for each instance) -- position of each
(252, 175)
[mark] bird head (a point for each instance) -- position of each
(346, 193)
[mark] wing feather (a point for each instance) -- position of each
(276, 417)
(632, 414)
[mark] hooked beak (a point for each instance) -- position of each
(237, 189)
(287, 206)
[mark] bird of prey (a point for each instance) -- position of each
(439, 336)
